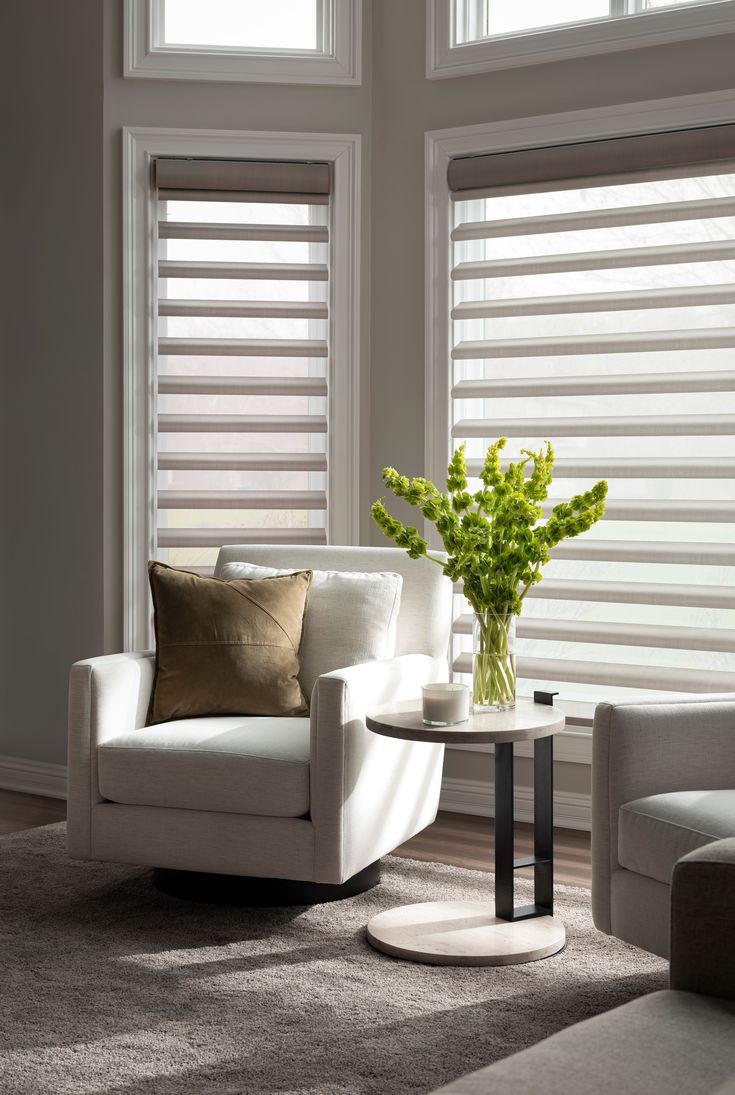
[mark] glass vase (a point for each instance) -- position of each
(493, 661)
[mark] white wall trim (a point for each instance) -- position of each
(140, 147)
(470, 796)
(651, 28)
(33, 777)
(339, 62)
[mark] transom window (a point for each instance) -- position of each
(475, 20)
(263, 41)
(468, 36)
(278, 25)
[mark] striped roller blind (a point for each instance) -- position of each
(599, 313)
(243, 356)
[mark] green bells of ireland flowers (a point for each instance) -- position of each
(496, 546)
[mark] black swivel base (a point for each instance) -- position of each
(226, 889)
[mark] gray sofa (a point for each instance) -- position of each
(680, 1041)
(663, 784)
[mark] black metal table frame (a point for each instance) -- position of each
(542, 859)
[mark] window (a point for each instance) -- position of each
(478, 19)
(243, 292)
(597, 309)
(475, 20)
(277, 26)
(241, 348)
(281, 41)
(466, 36)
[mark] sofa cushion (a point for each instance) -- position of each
(350, 617)
(677, 1043)
(654, 832)
(234, 765)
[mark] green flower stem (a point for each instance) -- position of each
(493, 663)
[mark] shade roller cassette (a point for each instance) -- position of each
(268, 177)
(646, 153)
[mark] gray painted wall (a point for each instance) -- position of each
(62, 502)
(52, 365)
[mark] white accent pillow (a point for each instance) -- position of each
(350, 617)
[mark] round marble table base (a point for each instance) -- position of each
(463, 933)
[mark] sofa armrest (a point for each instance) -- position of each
(107, 696)
(649, 747)
(702, 926)
(368, 793)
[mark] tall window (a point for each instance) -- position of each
(598, 310)
(243, 356)
(241, 346)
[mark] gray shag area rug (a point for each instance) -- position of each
(108, 986)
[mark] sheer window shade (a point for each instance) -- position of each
(594, 305)
(243, 356)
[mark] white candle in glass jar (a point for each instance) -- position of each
(444, 703)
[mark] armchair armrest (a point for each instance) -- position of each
(107, 696)
(368, 793)
(650, 747)
(702, 903)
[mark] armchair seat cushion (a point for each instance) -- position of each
(230, 764)
(654, 832)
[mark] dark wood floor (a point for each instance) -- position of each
(458, 839)
(18, 811)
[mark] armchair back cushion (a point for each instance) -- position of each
(426, 597)
(350, 618)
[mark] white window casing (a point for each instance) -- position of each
(241, 347)
(337, 60)
(628, 28)
(599, 314)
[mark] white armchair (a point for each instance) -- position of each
(318, 799)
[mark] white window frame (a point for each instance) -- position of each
(339, 62)
(444, 59)
(140, 308)
(659, 115)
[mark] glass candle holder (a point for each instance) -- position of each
(445, 704)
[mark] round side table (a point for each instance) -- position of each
(470, 933)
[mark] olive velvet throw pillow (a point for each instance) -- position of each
(226, 648)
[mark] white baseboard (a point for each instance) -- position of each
(470, 796)
(33, 777)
